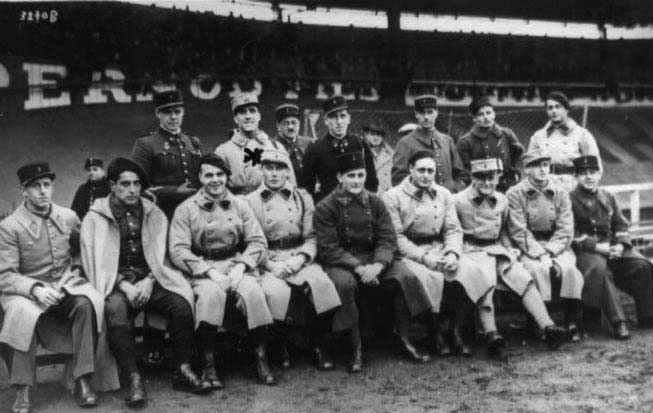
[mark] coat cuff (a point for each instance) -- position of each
(383, 258)
(248, 261)
(25, 285)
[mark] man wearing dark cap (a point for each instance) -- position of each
(563, 140)
(288, 125)
(426, 138)
(242, 152)
(123, 244)
(542, 227)
(357, 243)
(604, 250)
(169, 156)
(97, 186)
(320, 165)
(487, 139)
(43, 287)
(217, 242)
(374, 135)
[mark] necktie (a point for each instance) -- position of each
(490, 199)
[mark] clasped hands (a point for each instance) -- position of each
(139, 293)
(610, 251)
(369, 273)
(437, 262)
(284, 269)
(231, 280)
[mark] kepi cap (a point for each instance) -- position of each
(586, 162)
(533, 156)
(276, 156)
(33, 171)
(350, 161)
(243, 99)
(333, 104)
(486, 165)
(424, 102)
(168, 99)
(93, 162)
(286, 110)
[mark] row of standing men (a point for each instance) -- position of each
(256, 255)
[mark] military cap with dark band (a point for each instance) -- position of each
(333, 104)
(120, 165)
(480, 166)
(374, 127)
(243, 99)
(424, 102)
(33, 171)
(168, 99)
(478, 103)
(534, 156)
(286, 110)
(586, 162)
(558, 97)
(215, 160)
(350, 161)
(274, 156)
(93, 162)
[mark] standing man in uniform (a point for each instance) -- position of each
(542, 228)
(487, 139)
(124, 256)
(169, 157)
(374, 135)
(319, 175)
(288, 125)
(217, 242)
(449, 168)
(97, 186)
(286, 216)
(356, 245)
(42, 285)
(242, 153)
(563, 140)
(430, 240)
(484, 216)
(605, 253)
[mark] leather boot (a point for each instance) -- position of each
(495, 342)
(459, 347)
(407, 349)
(555, 336)
(356, 364)
(210, 374)
(263, 370)
(573, 317)
(186, 380)
(621, 330)
(84, 395)
(23, 403)
(285, 356)
(137, 396)
(440, 345)
(321, 356)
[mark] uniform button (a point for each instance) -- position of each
(129, 214)
(185, 171)
(133, 233)
(291, 221)
(268, 208)
(184, 163)
(289, 209)
(183, 155)
(133, 249)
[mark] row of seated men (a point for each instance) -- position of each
(272, 256)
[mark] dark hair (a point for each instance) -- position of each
(419, 155)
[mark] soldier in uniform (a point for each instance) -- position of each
(374, 135)
(169, 157)
(542, 228)
(42, 286)
(430, 239)
(427, 138)
(604, 250)
(288, 124)
(242, 152)
(286, 216)
(484, 216)
(356, 245)
(487, 139)
(124, 256)
(320, 164)
(217, 242)
(563, 140)
(97, 186)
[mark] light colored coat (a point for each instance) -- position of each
(100, 244)
(433, 215)
(383, 166)
(195, 229)
(292, 217)
(35, 251)
(245, 176)
(546, 210)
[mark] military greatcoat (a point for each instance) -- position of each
(286, 217)
(542, 222)
(355, 230)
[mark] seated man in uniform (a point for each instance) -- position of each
(40, 286)
(484, 216)
(308, 294)
(430, 239)
(97, 186)
(356, 245)
(124, 256)
(604, 251)
(217, 242)
(542, 228)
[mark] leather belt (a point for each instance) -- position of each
(215, 254)
(422, 239)
(542, 235)
(285, 243)
(559, 169)
(480, 241)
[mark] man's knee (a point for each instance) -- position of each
(344, 281)
(82, 305)
(180, 309)
(116, 311)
